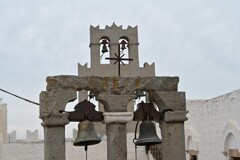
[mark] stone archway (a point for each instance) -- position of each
(231, 140)
(114, 93)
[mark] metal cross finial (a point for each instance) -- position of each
(119, 59)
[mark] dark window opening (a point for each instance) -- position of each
(193, 157)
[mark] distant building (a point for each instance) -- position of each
(3, 121)
(3, 125)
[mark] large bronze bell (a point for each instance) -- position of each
(86, 134)
(147, 134)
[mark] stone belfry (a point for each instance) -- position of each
(114, 35)
(114, 85)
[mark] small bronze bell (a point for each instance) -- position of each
(147, 134)
(140, 93)
(104, 47)
(91, 95)
(86, 134)
(123, 44)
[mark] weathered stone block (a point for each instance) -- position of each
(118, 117)
(175, 116)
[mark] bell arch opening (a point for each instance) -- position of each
(70, 128)
(123, 48)
(142, 97)
(104, 50)
(85, 94)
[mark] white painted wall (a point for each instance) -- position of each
(213, 126)
(26, 150)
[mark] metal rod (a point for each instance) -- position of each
(134, 140)
(86, 148)
(119, 60)
(119, 70)
(135, 152)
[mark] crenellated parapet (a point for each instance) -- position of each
(114, 33)
(106, 70)
(113, 26)
(31, 136)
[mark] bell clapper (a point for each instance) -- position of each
(135, 152)
(86, 148)
(135, 139)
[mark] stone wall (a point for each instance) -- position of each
(212, 130)
(33, 150)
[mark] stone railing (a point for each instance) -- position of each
(156, 151)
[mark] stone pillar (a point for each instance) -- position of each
(54, 122)
(116, 129)
(172, 127)
(54, 136)
(172, 130)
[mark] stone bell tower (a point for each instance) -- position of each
(113, 36)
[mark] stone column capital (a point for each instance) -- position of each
(175, 116)
(115, 103)
(57, 119)
(118, 117)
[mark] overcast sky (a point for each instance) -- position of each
(199, 41)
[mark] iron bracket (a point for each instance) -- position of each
(84, 110)
(147, 111)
